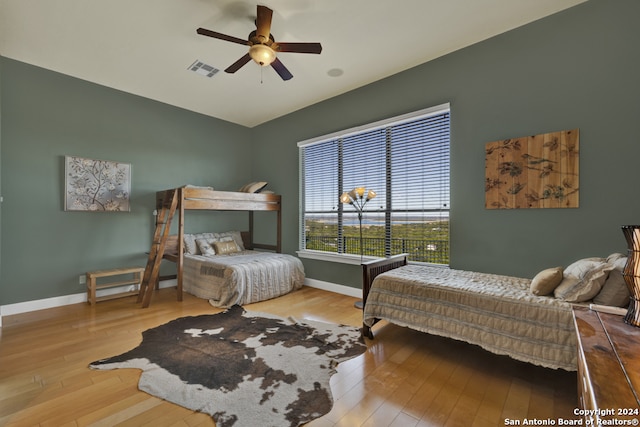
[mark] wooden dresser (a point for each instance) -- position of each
(608, 368)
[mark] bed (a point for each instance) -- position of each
(498, 313)
(238, 276)
(226, 268)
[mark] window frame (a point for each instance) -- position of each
(393, 121)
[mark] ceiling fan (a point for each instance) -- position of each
(263, 48)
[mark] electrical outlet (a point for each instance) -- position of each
(82, 279)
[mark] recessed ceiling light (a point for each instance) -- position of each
(203, 69)
(335, 72)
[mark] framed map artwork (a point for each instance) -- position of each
(96, 185)
(540, 171)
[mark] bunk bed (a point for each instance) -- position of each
(250, 272)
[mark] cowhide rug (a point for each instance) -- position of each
(242, 368)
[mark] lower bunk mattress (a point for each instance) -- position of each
(495, 312)
(241, 278)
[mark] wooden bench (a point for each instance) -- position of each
(92, 282)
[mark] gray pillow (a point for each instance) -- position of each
(618, 261)
(190, 245)
(205, 246)
(615, 291)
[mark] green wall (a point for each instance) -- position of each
(45, 116)
(576, 69)
(0, 186)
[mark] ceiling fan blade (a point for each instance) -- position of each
(263, 22)
(281, 69)
(298, 47)
(238, 64)
(215, 35)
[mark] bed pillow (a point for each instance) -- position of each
(618, 261)
(236, 236)
(253, 187)
(190, 245)
(582, 280)
(545, 282)
(204, 245)
(583, 266)
(615, 291)
(223, 248)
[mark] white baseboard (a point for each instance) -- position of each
(332, 287)
(27, 306)
(24, 307)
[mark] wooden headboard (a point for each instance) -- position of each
(371, 269)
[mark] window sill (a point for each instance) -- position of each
(332, 257)
(352, 259)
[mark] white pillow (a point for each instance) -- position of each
(582, 280)
(582, 266)
(205, 246)
(253, 187)
(190, 246)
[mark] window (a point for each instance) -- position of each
(405, 160)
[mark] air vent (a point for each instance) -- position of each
(203, 69)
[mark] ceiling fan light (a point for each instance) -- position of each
(262, 54)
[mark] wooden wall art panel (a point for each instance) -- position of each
(540, 171)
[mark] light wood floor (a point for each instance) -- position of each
(406, 378)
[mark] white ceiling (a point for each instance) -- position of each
(145, 47)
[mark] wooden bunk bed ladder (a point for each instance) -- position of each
(160, 236)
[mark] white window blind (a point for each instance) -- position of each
(406, 162)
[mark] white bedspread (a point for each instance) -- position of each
(241, 278)
(496, 312)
